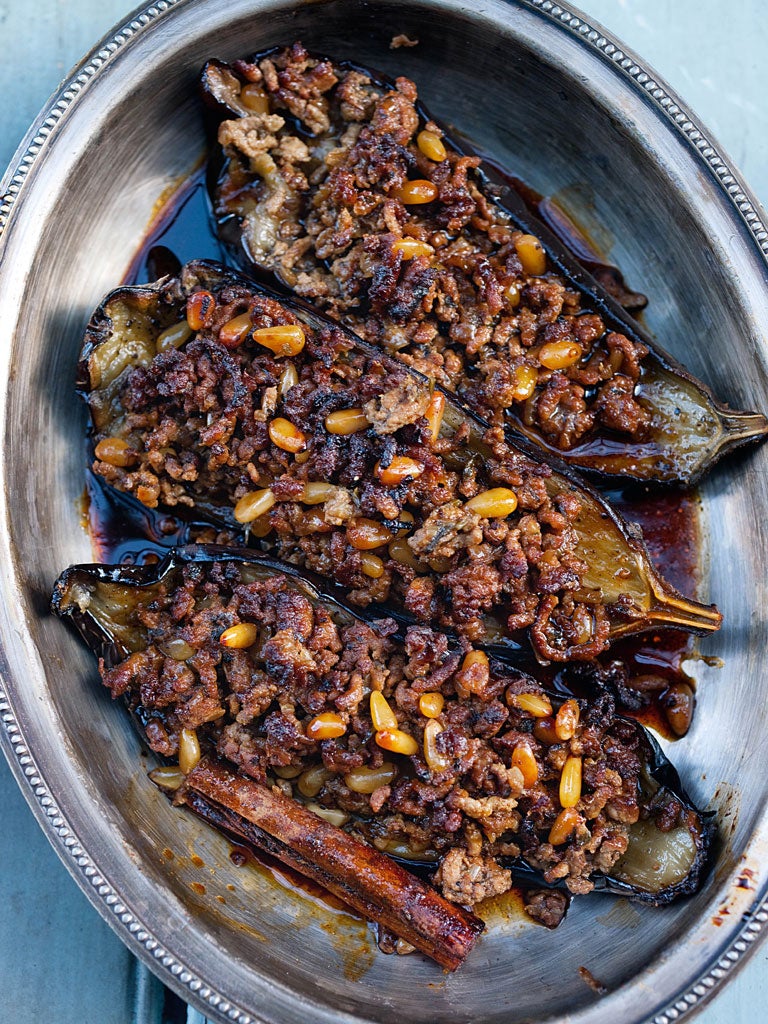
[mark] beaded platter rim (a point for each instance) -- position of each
(669, 107)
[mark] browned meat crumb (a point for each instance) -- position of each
(469, 880)
(402, 40)
(547, 906)
(597, 986)
(397, 408)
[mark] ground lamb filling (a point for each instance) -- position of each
(397, 506)
(428, 752)
(360, 206)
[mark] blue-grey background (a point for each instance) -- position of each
(59, 962)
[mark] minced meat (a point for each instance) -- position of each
(481, 787)
(449, 285)
(381, 506)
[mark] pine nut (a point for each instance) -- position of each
(200, 309)
(567, 720)
(253, 505)
(254, 98)
(434, 414)
(366, 534)
(326, 726)
(525, 380)
(330, 814)
(240, 636)
(283, 340)
(415, 193)
(317, 493)
(400, 470)
(372, 565)
(409, 248)
(563, 826)
(400, 551)
(236, 330)
(312, 780)
(173, 336)
(474, 658)
(436, 760)
(431, 704)
(536, 704)
(558, 355)
(346, 421)
(167, 778)
(189, 751)
(431, 145)
(397, 741)
(115, 451)
(475, 671)
(367, 780)
(532, 255)
(679, 702)
(382, 715)
(176, 648)
(496, 503)
(288, 378)
(511, 293)
(260, 527)
(570, 782)
(523, 758)
(544, 730)
(314, 522)
(286, 436)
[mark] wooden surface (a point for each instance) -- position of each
(59, 962)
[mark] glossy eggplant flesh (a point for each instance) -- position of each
(335, 182)
(424, 748)
(213, 398)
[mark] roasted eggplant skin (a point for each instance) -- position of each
(697, 828)
(111, 639)
(689, 429)
(100, 602)
(123, 334)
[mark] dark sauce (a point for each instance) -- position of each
(182, 230)
(577, 242)
(669, 521)
(125, 533)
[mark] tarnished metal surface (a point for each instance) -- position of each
(563, 108)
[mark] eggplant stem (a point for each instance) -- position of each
(682, 614)
(739, 427)
(674, 611)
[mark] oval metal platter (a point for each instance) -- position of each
(575, 115)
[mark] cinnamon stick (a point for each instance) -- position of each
(356, 873)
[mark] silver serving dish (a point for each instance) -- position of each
(561, 103)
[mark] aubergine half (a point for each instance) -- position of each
(212, 397)
(423, 748)
(334, 181)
